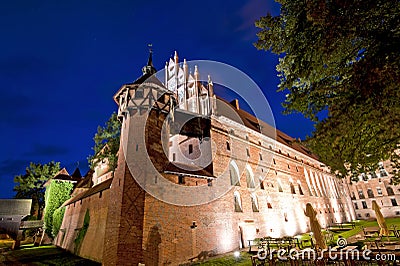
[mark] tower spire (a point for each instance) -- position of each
(149, 68)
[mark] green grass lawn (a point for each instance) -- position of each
(44, 255)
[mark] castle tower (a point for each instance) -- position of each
(141, 111)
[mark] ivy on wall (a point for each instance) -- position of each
(58, 216)
(82, 232)
(56, 194)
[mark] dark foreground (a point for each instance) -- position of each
(44, 255)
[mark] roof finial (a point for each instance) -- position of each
(149, 68)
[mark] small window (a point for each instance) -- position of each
(190, 148)
(379, 191)
(367, 215)
(397, 212)
(297, 169)
(261, 184)
(254, 203)
(355, 206)
(390, 191)
(260, 156)
(361, 194)
(364, 204)
(292, 189)
(248, 152)
(139, 94)
(394, 202)
(181, 179)
(359, 215)
(274, 161)
(370, 193)
(237, 202)
(288, 166)
(173, 157)
(209, 182)
(269, 205)
(280, 189)
(228, 146)
(300, 190)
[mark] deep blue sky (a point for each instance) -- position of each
(62, 61)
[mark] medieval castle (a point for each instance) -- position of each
(195, 174)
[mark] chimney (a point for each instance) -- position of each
(235, 104)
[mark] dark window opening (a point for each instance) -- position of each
(139, 94)
(254, 204)
(269, 205)
(390, 191)
(364, 204)
(300, 190)
(394, 202)
(181, 179)
(356, 206)
(190, 148)
(370, 193)
(292, 189)
(228, 146)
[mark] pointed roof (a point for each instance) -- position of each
(149, 68)
(76, 173)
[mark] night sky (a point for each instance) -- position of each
(62, 61)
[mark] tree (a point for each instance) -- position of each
(341, 58)
(107, 143)
(30, 185)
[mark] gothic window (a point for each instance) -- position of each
(364, 204)
(237, 201)
(394, 202)
(261, 183)
(228, 146)
(379, 191)
(254, 203)
(299, 187)
(361, 194)
(292, 189)
(370, 193)
(249, 178)
(261, 157)
(390, 191)
(355, 206)
(234, 174)
(247, 152)
(280, 189)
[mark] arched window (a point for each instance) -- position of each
(254, 203)
(299, 187)
(238, 202)
(261, 183)
(234, 174)
(249, 177)
(292, 189)
(280, 189)
(390, 191)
